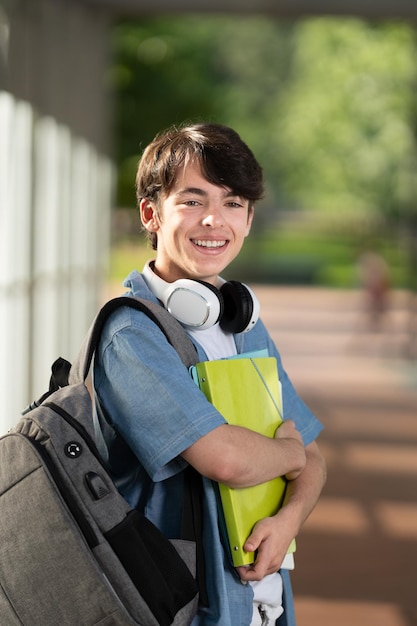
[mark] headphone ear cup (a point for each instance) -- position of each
(194, 303)
(218, 295)
(238, 307)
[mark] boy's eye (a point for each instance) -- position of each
(235, 204)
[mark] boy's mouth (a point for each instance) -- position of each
(208, 243)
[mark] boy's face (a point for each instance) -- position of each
(200, 227)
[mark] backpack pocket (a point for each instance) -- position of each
(163, 578)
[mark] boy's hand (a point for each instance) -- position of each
(268, 540)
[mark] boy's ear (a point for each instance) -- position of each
(148, 215)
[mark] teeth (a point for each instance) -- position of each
(209, 243)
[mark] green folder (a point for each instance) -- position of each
(246, 391)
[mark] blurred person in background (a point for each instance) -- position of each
(375, 282)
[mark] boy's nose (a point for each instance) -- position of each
(214, 216)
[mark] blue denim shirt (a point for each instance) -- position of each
(144, 391)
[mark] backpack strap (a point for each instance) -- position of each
(171, 328)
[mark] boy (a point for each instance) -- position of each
(196, 190)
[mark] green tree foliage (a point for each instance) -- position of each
(346, 119)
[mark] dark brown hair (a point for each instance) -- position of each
(224, 159)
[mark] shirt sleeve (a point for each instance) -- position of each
(147, 394)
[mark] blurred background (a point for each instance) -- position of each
(326, 98)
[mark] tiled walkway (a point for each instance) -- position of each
(356, 559)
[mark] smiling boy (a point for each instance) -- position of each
(200, 227)
(196, 188)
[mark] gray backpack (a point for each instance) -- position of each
(72, 550)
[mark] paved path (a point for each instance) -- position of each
(357, 554)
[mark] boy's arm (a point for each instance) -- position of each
(239, 457)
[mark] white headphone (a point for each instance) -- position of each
(199, 305)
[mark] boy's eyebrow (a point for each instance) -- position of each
(200, 192)
(195, 190)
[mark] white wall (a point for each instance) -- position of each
(55, 201)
